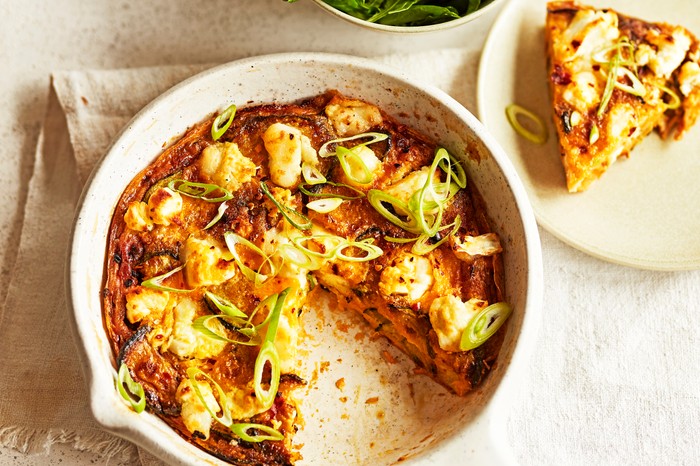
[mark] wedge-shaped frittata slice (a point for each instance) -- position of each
(613, 80)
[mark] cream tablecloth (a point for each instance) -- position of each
(614, 378)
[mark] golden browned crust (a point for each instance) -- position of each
(134, 256)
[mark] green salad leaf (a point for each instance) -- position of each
(407, 12)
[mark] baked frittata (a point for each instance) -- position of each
(216, 249)
(613, 80)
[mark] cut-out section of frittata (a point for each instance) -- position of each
(614, 79)
(217, 248)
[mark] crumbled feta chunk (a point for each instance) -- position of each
(142, 302)
(164, 205)
(350, 117)
(225, 165)
(449, 316)
(207, 263)
(185, 341)
(689, 77)
(136, 217)
(409, 275)
(671, 52)
(194, 414)
(468, 247)
(284, 146)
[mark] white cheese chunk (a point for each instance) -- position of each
(409, 185)
(671, 52)
(689, 77)
(449, 316)
(164, 205)
(185, 341)
(468, 247)
(308, 153)
(142, 302)
(409, 275)
(284, 146)
(194, 414)
(592, 30)
(207, 263)
(224, 165)
(350, 117)
(136, 217)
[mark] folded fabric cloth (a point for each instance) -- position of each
(45, 399)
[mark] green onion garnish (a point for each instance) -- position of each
(458, 173)
(241, 430)
(675, 100)
(268, 354)
(609, 85)
(219, 214)
(305, 190)
(130, 390)
(422, 246)
(298, 257)
(324, 150)
(200, 324)
(232, 239)
(311, 174)
(483, 325)
(513, 111)
(325, 205)
(217, 129)
(296, 219)
(378, 198)
(155, 283)
(225, 306)
(199, 190)
(300, 242)
(372, 251)
(222, 405)
(594, 134)
(348, 157)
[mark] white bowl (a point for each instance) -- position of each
(428, 427)
(407, 29)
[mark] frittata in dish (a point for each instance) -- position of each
(216, 249)
(613, 80)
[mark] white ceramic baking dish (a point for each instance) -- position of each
(413, 420)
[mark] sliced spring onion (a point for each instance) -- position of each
(422, 246)
(623, 44)
(675, 100)
(268, 303)
(349, 157)
(232, 240)
(219, 214)
(377, 198)
(300, 243)
(311, 174)
(222, 404)
(609, 85)
(392, 239)
(444, 193)
(225, 117)
(225, 306)
(359, 195)
(324, 150)
(155, 283)
(372, 251)
(594, 134)
(637, 88)
(252, 337)
(130, 390)
(241, 430)
(457, 173)
(199, 190)
(296, 219)
(298, 257)
(428, 219)
(325, 205)
(484, 324)
(268, 355)
(514, 111)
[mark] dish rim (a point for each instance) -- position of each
(123, 426)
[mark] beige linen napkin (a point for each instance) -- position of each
(44, 398)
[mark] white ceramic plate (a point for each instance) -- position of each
(407, 29)
(413, 419)
(644, 211)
